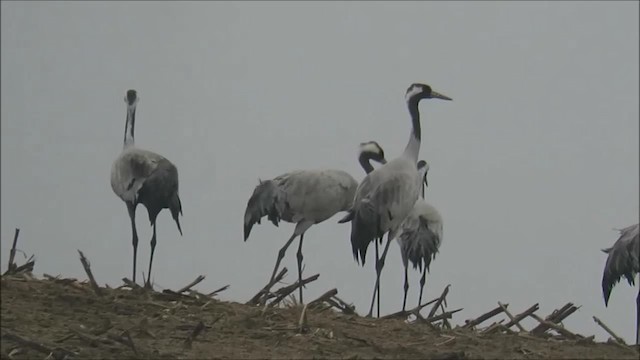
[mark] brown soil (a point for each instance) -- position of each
(67, 317)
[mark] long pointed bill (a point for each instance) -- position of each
(437, 95)
(383, 161)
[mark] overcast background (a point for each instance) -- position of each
(533, 164)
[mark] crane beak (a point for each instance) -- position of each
(383, 161)
(437, 95)
(426, 183)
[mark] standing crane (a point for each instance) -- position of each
(420, 234)
(623, 260)
(387, 194)
(143, 177)
(367, 167)
(302, 197)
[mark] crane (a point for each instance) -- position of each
(143, 177)
(420, 233)
(302, 197)
(420, 236)
(387, 194)
(623, 260)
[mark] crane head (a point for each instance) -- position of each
(419, 91)
(373, 151)
(131, 98)
(423, 168)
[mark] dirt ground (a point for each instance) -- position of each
(66, 318)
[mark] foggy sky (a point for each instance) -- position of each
(533, 164)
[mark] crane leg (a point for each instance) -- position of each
(377, 289)
(638, 317)
(281, 255)
(299, 256)
(147, 283)
(379, 267)
(132, 215)
(422, 281)
(406, 286)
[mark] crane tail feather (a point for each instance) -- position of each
(350, 215)
(176, 209)
(364, 230)
(262, 203)
(623, 260)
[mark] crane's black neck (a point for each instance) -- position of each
(413, 147)
(365, 162)
(129, 127)
(412, 104)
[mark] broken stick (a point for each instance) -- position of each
(492, 328)
(483, 317)
(555, 317)
(522, 315)
(191, 284)
(255, 300)
(513, 319)
(607, 329)
(324, 297)
(216, 292)
(87, 269)
(12, 253)
(285, 291)
(346, 308)
(440, 300)
(406, 313)
(444, 315)
(25, 268)
(555, 327)
(131, 284)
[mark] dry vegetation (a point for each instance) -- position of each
(60, 318)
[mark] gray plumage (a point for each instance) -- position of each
(420, 233)
(420, 237)
(382, 202)
(387, 194)
(623, 260)
(303, 197)
(143, 177)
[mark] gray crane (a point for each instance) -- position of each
(302, 197)
(387, 194)
(143, 177)
(623, 260)
(420, 234)
(367, 167)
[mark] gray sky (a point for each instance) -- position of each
(532, 165)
